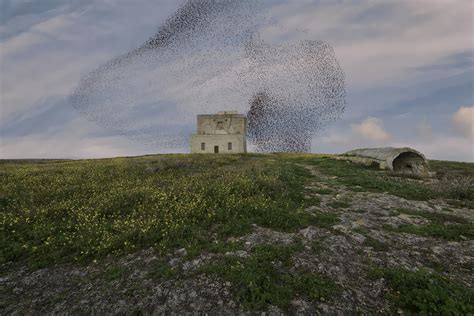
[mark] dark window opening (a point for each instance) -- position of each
(216, 149)
(229, 146)
(409, 162)
(203, 146)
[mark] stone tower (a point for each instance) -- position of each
(221, 133)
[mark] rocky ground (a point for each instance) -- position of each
(346, 252)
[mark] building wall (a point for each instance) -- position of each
(221, 124)
(238, 141)
(219, 130)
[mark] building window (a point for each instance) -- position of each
(203, 146)
(229, 146)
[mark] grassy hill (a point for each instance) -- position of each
(220, 234)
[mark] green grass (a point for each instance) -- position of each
(339, 204)
(324, 191)
(323, 220)
(442, 225)
(77, 211)
(114, 273)
(460, 168)
(451, 232)
(455, 181)
(375, 244)
(266, 278)
(312, 200)
(362, 178)
(361, 230)
(161, 269)
(81, 210)
(436, 217)
(425, 293)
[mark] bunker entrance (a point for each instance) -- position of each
(409, 162)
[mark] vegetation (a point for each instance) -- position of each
(425, 293)
(324, 191)
(436, 217)
(339, 204)
(454, 232)
(367, 178)
(455, 179)
(162, 270)
(442, 225)
(375, 244)
(115, 272)
(80, 210)
(266, 277)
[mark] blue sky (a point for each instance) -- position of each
(409, 69)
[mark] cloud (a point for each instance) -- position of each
(463, 121)
(75, 140)
(442, 147)
(371, 129)
(47, 147)
(399, 57)
(424, 130)
(383, 40)
(434, 144)
(57, 45)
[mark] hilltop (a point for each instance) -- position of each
(231, 234)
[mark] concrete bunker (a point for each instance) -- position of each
(403, 160)
(409, 162)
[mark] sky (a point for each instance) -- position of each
(409, 68)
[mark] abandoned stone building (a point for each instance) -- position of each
(224, 133)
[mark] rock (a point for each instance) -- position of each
(181, 252)
(358, 237)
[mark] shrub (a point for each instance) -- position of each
(454, 232)
(425, 293)
(266, 278)
(375, 244)
(454, 186)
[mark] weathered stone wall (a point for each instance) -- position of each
(210, 141)
(221, 124)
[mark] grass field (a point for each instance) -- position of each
(55, 212)
(82, 210)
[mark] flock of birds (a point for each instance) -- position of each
(208, 57)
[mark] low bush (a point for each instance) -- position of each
(425, 293)
(452, 232)
(458, 187)
(266, 278)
